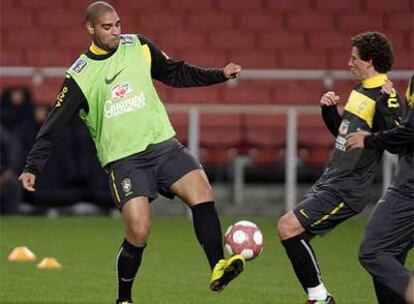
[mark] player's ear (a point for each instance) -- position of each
(90, 28)
(370, 63)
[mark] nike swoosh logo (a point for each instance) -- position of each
(303, 213)
(127, 280)
(110, 80)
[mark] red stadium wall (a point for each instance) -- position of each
(262, 34)
(271, 34)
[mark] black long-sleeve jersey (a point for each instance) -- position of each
(350, 174)
(71, 99)
(399, 140)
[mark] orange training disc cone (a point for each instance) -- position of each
(21, 254)
(49, 263)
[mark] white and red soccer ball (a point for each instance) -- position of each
(244, 238)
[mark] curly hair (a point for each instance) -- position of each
(375, 46)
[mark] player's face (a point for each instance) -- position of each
(106, 31)
(359, 67)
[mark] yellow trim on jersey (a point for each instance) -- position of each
(409, 95)
(97, 50)
(361, 106)
(147, 53)
(114, 186)
(326, 216)
(374, 82)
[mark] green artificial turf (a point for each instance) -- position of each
(174, 269)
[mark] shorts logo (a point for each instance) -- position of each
(79, 65)
(343, 128)
(126, 186)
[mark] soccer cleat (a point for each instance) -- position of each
(328, 300)
(122, 302)
(225, 271)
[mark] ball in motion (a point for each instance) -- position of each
(244, 238)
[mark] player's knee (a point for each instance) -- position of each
(367, 258)
(139, 233)
(203, 193)
(287, 226)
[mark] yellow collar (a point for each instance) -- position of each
(374, 82)
(97, 50)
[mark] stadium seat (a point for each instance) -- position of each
(297, 59)
(180, 124)
(314, 140)
(250, 92)
(286, 6)
(220, 137)
(312, 21)
(46, 93)
(207, 58)
(298, 92)
(265, 137)
(337, 6)
(195, 95)
(351, 23)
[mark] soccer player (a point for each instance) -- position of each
(110, 87)
(389, 234)
(344, 188)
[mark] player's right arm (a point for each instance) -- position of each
(330, 114)
(397, 140)
(68, 102)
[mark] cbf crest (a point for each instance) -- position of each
(126, 186)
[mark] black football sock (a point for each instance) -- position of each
(303, 260)
(208, 231)
(128, 261)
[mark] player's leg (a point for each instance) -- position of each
(183, 176)
(388, 237)
(302, 256)
(132, 188)
(194, 189)
(137, 220)
(386, 295)
(314, 216)
(410, 291)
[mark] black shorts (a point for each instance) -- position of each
(390, 229)
(322, 211)
(150, 172)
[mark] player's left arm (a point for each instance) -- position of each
(178, 73)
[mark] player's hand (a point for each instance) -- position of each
(28, 180)
(355, 140)
(329, 99)
(387, 87)
(231, 70)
